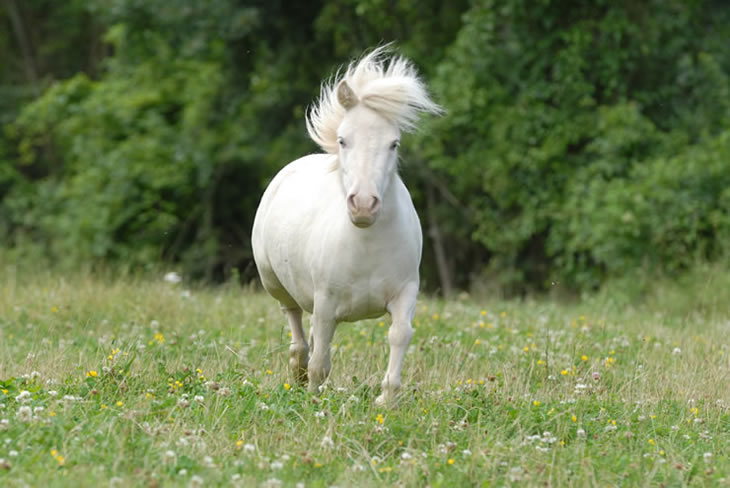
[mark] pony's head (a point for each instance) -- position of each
(359, 117)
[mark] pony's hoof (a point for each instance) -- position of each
(384, 400)
(300, 377)
(299, 373)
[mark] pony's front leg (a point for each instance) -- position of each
(399, 336)
(322, 329)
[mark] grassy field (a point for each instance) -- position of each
(139, 382)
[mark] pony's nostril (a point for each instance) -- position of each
(374, 204)
(351, 202)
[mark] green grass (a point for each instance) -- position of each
(136, 382)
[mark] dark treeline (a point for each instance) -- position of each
(582, 140)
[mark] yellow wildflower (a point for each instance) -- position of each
(451, 461)
(287, 386)
(379, 418)
(92, 374)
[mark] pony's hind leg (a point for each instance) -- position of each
(298, 350)
(399, 336)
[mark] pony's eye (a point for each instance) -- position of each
(341, 142)
(394, 145)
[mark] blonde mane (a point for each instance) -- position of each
(390, 87)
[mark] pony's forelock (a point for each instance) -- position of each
(389, 86)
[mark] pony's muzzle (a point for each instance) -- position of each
(363, 208)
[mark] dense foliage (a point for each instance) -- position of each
(582, 140)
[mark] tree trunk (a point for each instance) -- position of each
(434, 232)
(20, 35)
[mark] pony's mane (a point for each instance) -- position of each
(389, 86)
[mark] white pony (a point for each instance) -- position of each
(336, 234)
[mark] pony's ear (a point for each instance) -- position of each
(346, 96)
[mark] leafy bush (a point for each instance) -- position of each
(586, 141)
(582, 141)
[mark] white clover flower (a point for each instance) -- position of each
(183, 472)
(183, 403)
(208, 462)
(272, 483)
(548, 437)
(196, 481)
(23, 397)
(172, 277)
(319, 414)
(4, 424)
(707, 457)
(225, 391)
(676, 351)
(199, 399)
(24, 414)
(52, 393)
(276, 465)
(235, 477)
(249, 448)
(405, 456)
(34, 375)
(580, 433)
(169, 455)
(13, 453)
(263, 406)
(327, 442)
(515, 473)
